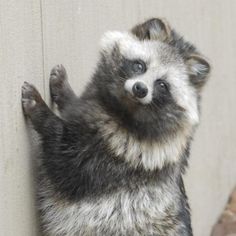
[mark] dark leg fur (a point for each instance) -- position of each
(61, 91)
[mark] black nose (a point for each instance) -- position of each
(140, 90)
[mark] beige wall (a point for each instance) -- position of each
(35, 35)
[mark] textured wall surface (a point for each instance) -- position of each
(35, 35)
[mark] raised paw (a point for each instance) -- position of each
(58, 72)
(58, 81)
(30, 98)
(59, 86)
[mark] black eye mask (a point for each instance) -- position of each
(130, 68)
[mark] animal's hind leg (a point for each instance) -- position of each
(60, 89)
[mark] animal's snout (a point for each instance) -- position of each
(140, 90)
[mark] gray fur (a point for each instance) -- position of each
(113, 163)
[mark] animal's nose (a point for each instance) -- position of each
(140, 90)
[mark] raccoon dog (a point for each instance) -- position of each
(112, 163)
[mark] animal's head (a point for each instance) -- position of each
(151, 79)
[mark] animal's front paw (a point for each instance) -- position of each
(30, 98)
(58, 82)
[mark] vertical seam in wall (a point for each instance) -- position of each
(42, 47)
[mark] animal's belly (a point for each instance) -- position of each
(124, 213)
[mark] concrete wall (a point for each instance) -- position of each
(35, 35)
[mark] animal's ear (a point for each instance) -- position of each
(154, 29)
(198, 69)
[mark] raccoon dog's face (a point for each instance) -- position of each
(151, 79)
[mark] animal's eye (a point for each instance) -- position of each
(139, 67)
(161, 84)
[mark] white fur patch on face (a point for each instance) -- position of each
(110, 38)
(121, 213)
(184, 94)
(129, 46)
(142, 153)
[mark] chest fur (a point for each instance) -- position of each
(150, 155)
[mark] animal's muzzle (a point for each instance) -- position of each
(139, 90)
